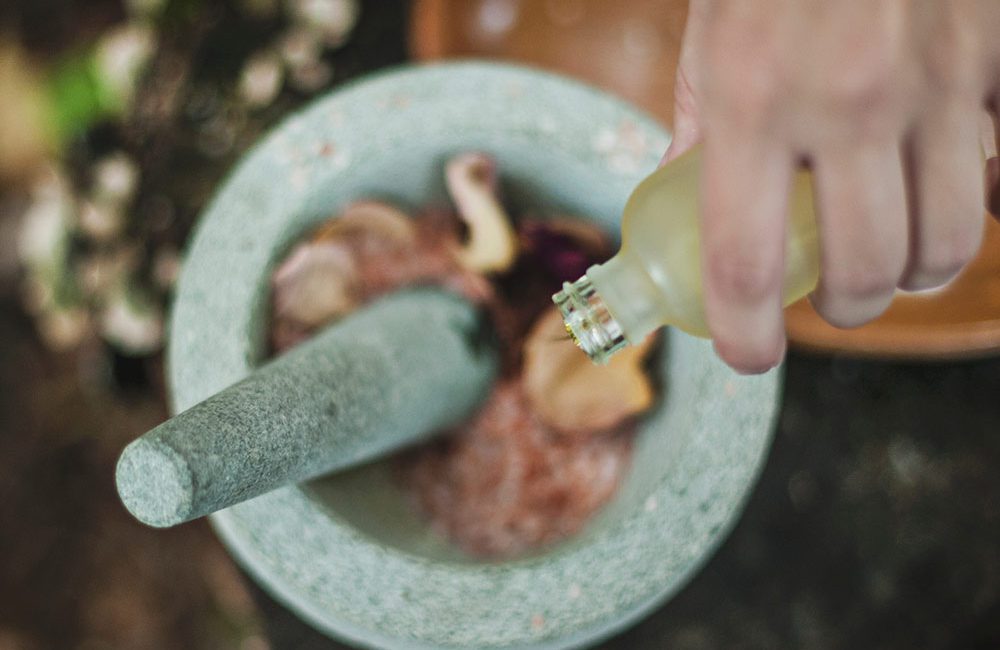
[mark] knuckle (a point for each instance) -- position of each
(877, 84)
(753, 96)
(745, 277)
(744, 75)
(944, 257)
(945, 73)
(856, 284)
(743, 98)
(950, 59)
(862, 89)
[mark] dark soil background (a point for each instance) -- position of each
(875, 524)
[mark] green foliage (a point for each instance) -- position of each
(78, 98)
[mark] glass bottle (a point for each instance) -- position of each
(655, 278)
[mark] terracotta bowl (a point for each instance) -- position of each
(630, 48)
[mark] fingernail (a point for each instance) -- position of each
(754, 367)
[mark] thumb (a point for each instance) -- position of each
(687, 125)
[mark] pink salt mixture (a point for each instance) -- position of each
(550, 445)
(506, 484)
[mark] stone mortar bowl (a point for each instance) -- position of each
(345, 552)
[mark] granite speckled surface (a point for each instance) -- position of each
(386, 376)
(341, 552)
(875, 523)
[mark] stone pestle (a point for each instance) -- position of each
(381, 378)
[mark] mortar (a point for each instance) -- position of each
(345, 552)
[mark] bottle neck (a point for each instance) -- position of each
(615, 304)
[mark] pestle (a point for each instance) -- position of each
(383, 377)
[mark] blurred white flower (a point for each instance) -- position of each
(300, 47)
(115, 178)
(100, 221)
(132, 322)
(122, 55)
(316, 283)
(47, 221)
(333, 19)
(260, 81)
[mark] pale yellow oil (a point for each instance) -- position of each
(660, 233)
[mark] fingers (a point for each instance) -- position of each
(744, 195)
(861, 201)
(945, 185)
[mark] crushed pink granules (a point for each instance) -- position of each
(505, 483)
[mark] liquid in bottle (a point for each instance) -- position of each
(655, 278)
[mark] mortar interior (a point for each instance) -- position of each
(369, 498)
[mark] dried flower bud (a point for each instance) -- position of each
(574, 396)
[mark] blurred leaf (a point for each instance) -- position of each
(78, 99)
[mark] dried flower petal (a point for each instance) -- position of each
(315, 284)
(574, 396)
(564, 247)
(371, 226)
(368, 250)
(472, 182)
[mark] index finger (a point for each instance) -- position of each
(744, 203)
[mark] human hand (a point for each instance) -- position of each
(883, 100)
